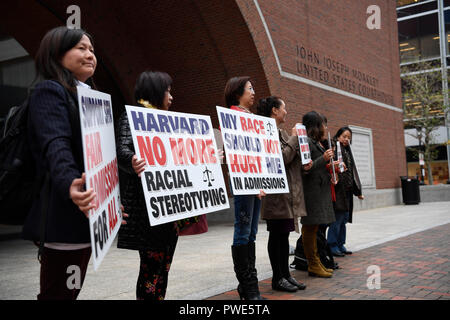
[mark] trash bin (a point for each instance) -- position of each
(410, 190)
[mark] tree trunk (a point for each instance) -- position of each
(430, 174)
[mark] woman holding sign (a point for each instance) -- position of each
(316, 186)
(156, 244)
(347, 186)
(59, 216)
(240, 96)
(282, 211)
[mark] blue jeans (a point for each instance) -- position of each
(246, 218)
(337, 231)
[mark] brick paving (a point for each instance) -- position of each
(415, 267)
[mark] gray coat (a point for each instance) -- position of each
(287, 205)
(316, 187)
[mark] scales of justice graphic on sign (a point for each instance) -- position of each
(183, 176)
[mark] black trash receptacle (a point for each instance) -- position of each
(410, 190)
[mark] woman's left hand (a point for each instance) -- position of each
(261, 194)
(124, 215)
(307, 166)
(221, 155)
(81, 197)
(361, 197)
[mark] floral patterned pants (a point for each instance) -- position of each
(153, 274)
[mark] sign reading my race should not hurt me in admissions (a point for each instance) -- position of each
(253, 152)
(183, 177)
(100, 164)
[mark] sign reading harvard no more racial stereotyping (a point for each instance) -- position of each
(183, 177)
(100, 164)
(253, 152)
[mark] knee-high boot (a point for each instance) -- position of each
(309, 236)
(246, 288)
(252, 269)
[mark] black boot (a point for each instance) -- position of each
(246, 287)
(252, 269)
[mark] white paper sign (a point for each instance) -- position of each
(339, 156)
(100, 165)
(253, 152)
(183, 177)
(303, 143)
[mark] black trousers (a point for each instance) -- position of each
(278, 248)
(62, 273)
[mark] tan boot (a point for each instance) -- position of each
(324, 268)
(309, 234)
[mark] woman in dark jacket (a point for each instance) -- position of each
(317, 190)
(347, 186)
(282, 211)
(156, 244)
(65, 59)
(239, 96)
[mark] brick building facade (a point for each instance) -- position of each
(316, 55)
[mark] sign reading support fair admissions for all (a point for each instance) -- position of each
(303, 143)
(100, 165)
(183, 177)
(253, 152)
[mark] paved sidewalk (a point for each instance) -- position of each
(203, 267)
(416, 267)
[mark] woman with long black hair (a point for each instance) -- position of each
(156, 244)
(348, 185)
(64, 60)
(317, 189)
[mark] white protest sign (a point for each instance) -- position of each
(100, 165)
(303, 143)
(183, 177)
(253, 152)
(339, 155)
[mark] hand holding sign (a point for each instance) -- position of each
(81, 197)
(328, 155)
(138, 165)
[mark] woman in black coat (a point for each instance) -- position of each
(65, 60)
(347, 186)
(317, 192)
(156, 244)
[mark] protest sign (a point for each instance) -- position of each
(339, 156)
(253, 152)
(100, 165)
(183, 177)
(303, 143)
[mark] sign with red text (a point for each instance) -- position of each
(253, 152)
(100, 165)
(183, 176)
(303, 143)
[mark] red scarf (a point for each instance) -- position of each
(333, 192)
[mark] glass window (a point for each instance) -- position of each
(419, 38)
(447, 28)
(401, 3)
(408, 11)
